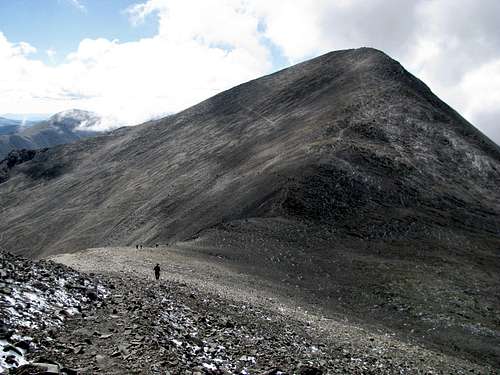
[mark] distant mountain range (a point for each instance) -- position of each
(9, 126)
(64, 127)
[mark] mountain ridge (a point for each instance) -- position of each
(242, 151)
(63, 127)
(343, 180)
(10, 126)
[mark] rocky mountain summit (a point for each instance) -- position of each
(343, 182)
(349, 142)
(63, 127)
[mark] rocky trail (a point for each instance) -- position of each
(201, 318)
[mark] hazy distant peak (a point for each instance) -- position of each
(63, 127)
(75, 114)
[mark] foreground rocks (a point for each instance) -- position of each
(166, 328)
(148, 328)
(38, 297)
(127, 323)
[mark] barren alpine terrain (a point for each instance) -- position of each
(203, 317)
(342, 185)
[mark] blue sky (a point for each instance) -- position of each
(132, 60)
(61, 24)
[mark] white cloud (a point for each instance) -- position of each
(135, 81)
(308, 28)
(78, 5)
(483, 106)
(13, 50)
(454, 46)
(51, 52)
(138, 12)
(203, 47)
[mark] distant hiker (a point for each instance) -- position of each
(157, 271)
(156, 245)
(137, 247)
(140, 246)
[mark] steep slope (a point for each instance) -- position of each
(348, 139)
(63, 127)
(343, 179)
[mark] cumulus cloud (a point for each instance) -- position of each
(308, 28)
(51, 52)
(482, 104)
(132, 81)
(203, 47)
(78, 5)
(454, 46)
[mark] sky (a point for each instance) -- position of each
(133, 60)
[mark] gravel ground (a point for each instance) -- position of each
(36, 299)
(202, 317)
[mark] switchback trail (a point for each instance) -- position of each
(203, 318)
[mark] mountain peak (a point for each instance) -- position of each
(76, 114)
(63, 127)
(318, 176)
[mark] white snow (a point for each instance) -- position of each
(209, 366)
(40, 304)
(19, 358)
(177, 342)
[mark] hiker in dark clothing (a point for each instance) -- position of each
(157, 271)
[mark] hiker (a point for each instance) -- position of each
(137, 247)
(157, 271)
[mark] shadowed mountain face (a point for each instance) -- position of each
(344, 179)
(64, 127)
